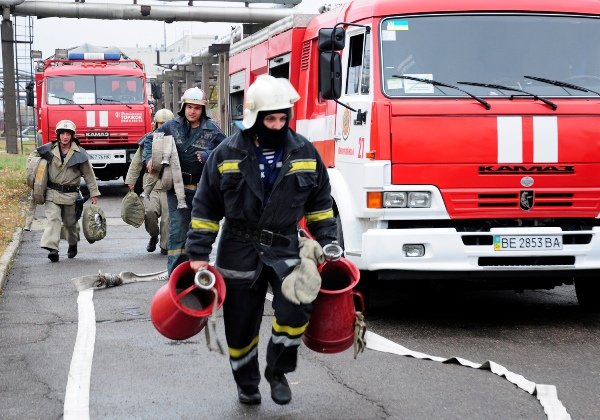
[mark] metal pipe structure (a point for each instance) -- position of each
(43, 9)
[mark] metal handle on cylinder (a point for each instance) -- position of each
(204, 279)
(333, 251)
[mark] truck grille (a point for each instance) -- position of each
(509, 200)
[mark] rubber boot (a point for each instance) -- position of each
(280, 389)
(152, 244)
(72, 251)
(53, 255)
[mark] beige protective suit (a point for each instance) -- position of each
(60, 205)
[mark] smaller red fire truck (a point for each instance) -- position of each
(104, 94)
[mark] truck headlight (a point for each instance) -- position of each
(394, 199)
(421, 199)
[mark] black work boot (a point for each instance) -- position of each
(72, 251)
(280, 390)
(251, 397)
(163, 251)
(53, 255)
(152, 244)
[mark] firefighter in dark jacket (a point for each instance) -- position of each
(263, 181)
(195, 135)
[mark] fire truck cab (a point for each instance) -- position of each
(463, 138)
(105, 96)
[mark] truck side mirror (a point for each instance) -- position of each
(29, 98)
(156, 90)
(330, 75)
(328, 43)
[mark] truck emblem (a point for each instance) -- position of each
(527, 181)
(526, 199)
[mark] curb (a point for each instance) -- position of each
(9, 255)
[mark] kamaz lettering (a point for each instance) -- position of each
(521, 169)
(97, 134)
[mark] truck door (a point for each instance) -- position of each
(353, 127)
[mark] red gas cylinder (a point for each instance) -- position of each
(180, 309)
(331, 326)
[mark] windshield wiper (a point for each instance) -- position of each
(502, 87)
(436, 83)
(562, 84)
(101, 98)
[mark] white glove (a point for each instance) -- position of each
(302, 285)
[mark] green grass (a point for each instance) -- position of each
(12, 162)
(13, 194)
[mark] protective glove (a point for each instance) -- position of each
(302, 285)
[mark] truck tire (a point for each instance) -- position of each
(588, 293)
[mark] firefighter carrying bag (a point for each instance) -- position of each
(37, 178)
(93, 223)
(132, 209)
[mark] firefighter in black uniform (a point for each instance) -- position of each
(263, 180)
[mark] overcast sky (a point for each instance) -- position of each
(52, 33)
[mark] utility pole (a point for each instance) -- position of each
(8, 71)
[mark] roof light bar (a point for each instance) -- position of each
(94, 56)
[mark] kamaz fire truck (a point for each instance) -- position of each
(463, 137)
(105, 96)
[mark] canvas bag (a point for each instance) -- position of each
(132, 209)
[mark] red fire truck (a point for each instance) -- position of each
(463, 137)
(105, 96)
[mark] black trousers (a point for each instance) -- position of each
(243, 311)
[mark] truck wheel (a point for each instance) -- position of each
(588, 293)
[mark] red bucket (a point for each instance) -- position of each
(331, 326)
(180, 309)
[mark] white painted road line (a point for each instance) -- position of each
(77, 395)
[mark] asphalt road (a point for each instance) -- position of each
(135, 373)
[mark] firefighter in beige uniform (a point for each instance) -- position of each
(67, 163)
(156, 205)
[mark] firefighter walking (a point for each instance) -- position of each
(263, 181)
(195, 136)
(67, 163)
(156, 205)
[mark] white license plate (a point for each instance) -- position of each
(107, 156)
(527, 243)
(95, 157)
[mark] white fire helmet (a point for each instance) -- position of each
(192, 96)
(163, 115)
(65, 125)
(267, 93)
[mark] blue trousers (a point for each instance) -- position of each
(179, 224)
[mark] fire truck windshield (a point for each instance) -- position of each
(95, 89)
(488, 50)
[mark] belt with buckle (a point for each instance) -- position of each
(262, 236)
(62, 187)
